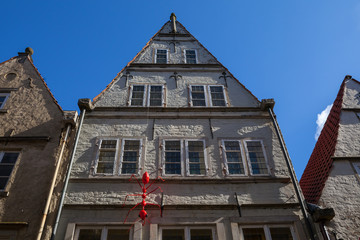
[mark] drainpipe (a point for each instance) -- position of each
(269, 104)
(58, 163)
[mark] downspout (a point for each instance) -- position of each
(58, 163)
(292, 174)
(61, 204)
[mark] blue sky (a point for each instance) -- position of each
(296, 52)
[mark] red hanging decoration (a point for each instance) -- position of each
(145, 179)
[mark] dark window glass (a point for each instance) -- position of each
(254, 234)
(280, 233)
(7, 163)
(198, 96)
(90, 234)
(118, 234)
(161, 56)
(191, 56)
(172, 157)
(196, 157)
(256, 157)
(173, 234)
(201, 234)
(137, 98)
(106, 157)
(217, 96)
(233, 157)
(156, 95)
(131, 156)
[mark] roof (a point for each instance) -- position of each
(42, 79)
(148, 44)
(319, 166)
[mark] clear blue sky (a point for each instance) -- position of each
(296, 52)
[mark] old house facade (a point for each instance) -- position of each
(175, 112)
(331, 177)
(35, 136)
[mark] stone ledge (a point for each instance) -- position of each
(188, 180)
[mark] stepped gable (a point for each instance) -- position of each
(166, 32)
(318, 168)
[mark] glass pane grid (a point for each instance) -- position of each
(198, 96)
(256, 157)
(161, 56)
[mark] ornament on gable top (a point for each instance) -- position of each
(145, 179)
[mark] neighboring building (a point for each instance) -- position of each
(32, 137)
(331, 177)
(177, 113)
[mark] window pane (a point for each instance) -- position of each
(198, 96)
(217, 96)
(118, 234)
(156, 95)
(172, 157)
(161, 56)
(90, 234)
(131, 156)
(196, 157)
(254, 234)
(281, 233)
(137, 97)
(233, 157)
(256, 157)
(190, 56)
(9, 157)
(201, 234)
(173, 234)
(108, 143)
(2, 100)
(3, 181)
(105, 167)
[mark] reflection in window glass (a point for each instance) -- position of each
(172, 157)
(90, 234)
(173, 234)
(118, 234)
(233, 157)
(280, 233)
(217, 96)
(131, 156)
(201, 234)
(256, 156)
(254, 234)
(198, 96)
(196, 157)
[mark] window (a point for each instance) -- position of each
(102, 233)
(256, 158)
(232, 152)
(178, 161)
(161, 56)
(190, 56)
(212, 95)
(235, 159)
(187, 233)
(108, 160)
(267, 233)
(155, 95)
(3, 98)
(7, 163)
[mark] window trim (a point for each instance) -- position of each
(210, 98)
(104, 230)
(6, 95)
(98, 157)
(187, 230)
(196, 56)
(121, 159)
(266, 228)
(185, 172)
(146, 95)
(205, 94)
(187, 164)
(2, 153)
(244, 158)
(131, 94)
(248, 157)
(167, 55)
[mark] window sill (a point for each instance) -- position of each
(4, 193)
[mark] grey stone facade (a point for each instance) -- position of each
(32, 132)
(199, 192)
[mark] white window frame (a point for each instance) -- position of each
(98, 156)
(184, 153)
(2, 153)
(167, 55)
(146, 96)
(266, 228)
(187, 157)
(223, 148)
(131, 93)
(357, 167)
(104, 230)
(122, 156)
(205, 94)
(181, 157)
(6, 95)
(248, 157)
(187, 230)
(196, 55)
(210, 98)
